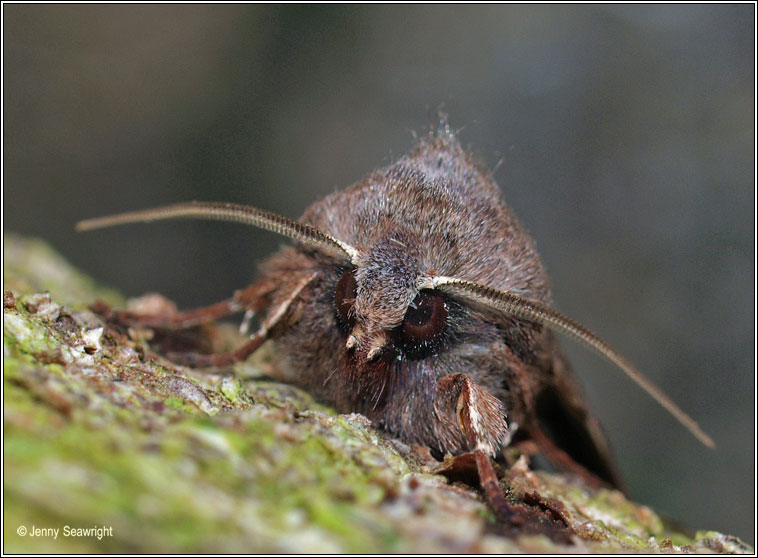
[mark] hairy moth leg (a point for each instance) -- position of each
(177, 320)
(473, 418)
(196, 360)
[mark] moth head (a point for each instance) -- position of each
(380, 308)
(385, 302)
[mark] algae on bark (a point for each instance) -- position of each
(110, 448)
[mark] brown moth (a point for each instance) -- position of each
(416, 298)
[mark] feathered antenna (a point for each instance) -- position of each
(220, 211)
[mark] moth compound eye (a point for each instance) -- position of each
(424, 321)
(344, 299)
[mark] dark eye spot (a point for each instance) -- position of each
(344, 299)
(424, 321)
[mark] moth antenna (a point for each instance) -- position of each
(220, 211)
(536, 312)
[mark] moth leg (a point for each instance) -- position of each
(493, 493)
(171, 319)
(196, 360)
(479, 418)
(563, 460)
(477, 470)
(164, 315)
(472, 418)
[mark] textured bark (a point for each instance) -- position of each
(141, 455)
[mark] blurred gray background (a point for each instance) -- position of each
(626, 136)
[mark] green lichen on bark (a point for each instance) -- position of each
(99, 432)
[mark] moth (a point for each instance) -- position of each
(416, 298)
